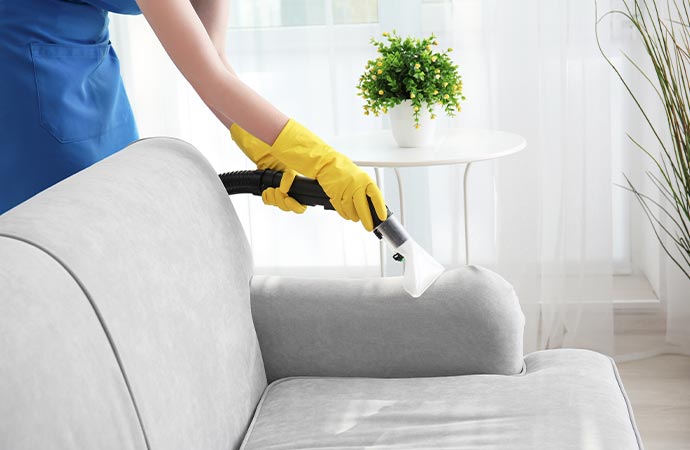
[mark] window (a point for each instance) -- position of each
(291, 13)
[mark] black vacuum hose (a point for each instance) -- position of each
(305, 190)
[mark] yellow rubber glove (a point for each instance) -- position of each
(347, 186)
(260, 152)
(279, 198)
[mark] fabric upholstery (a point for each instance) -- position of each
(153, 238)
(60, 385)
(566, 399)
(126, 324)
(468, 322)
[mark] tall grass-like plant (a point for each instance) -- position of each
(667, 43)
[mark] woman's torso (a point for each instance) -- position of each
(62, 103)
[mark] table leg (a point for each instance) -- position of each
(464, 194)
(382, 250)
(401, 214)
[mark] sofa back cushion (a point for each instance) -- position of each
(152, 238)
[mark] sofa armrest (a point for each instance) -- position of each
(468, 322)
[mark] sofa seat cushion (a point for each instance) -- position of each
(564, 399)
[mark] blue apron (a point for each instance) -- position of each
(63, 106)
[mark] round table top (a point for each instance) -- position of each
(451, 146)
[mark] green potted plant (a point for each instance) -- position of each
(410, 79)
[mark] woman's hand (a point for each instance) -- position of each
(259, 152)
(349, 188)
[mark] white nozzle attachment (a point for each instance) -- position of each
(421, 269)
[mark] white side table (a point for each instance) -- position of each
(452, 146)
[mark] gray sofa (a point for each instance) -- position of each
(129, 319)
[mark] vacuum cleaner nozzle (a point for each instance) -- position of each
(421, 269)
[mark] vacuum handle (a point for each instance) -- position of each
(305, 190)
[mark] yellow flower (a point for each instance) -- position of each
(428, 47)
(445, 83)
(381, 92)
(433, 59)
(416, 125)
(366, 113)
(373, 77)
(385, 110)
(435, 92)
(379, 63)
(446, 96)
(417, 66)
(438, 76)
(433, 116)
(385, 33)
(412, 95)
(450, 49)
(435, 42)
(416, 108)
(379, 71)
(438, 70)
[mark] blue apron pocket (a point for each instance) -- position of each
(80, 92)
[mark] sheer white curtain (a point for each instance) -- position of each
(544, 218)
(533, 67)
(564, 235)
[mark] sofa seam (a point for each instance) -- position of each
(257, 410)
(638, 438)
(101, 321)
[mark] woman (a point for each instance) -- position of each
(63, 106)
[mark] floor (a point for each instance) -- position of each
(659, 390)
(639, 333)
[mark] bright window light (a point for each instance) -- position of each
(297, 13)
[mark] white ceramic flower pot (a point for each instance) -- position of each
(403, 126)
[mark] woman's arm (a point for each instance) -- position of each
(183, 35)
(190, 45)
(214, 16)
